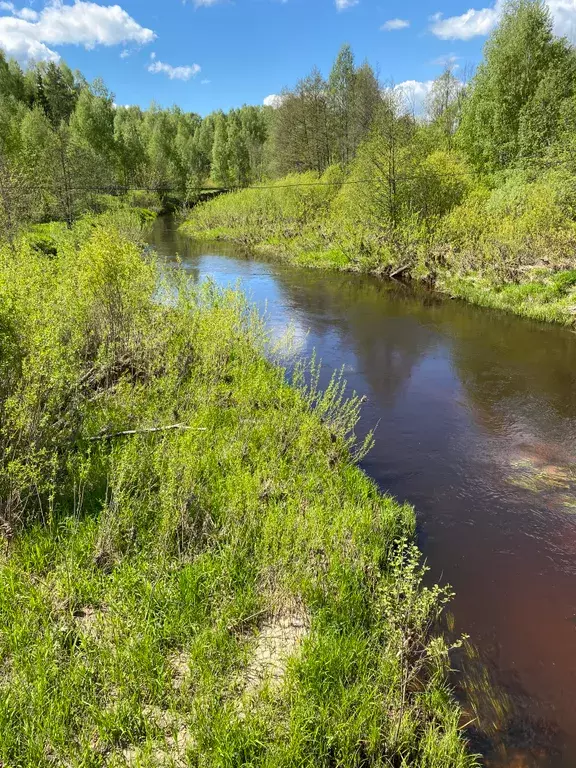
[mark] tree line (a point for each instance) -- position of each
(61, 136)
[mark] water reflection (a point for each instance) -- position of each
(476, 419)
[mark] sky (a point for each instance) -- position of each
(219, 54)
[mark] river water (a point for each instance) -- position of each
(474, 414)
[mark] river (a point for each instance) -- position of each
(474, 415)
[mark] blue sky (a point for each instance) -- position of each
(211, 54)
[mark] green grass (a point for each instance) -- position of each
(231, 592)
(552, 298)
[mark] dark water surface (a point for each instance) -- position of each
(475, 417)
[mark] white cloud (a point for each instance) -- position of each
(26, 34)
(469, 24)
(274, 100)
(393, 24)
(174, 73)
(341, 5)
(205, 82)
(449, 60)
(413, 94)
(482, 21)
(28, 14)
(564, 16)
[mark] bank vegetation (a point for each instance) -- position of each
(193, 570)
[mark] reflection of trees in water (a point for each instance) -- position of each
(520, 377)
(165, 238)
(375, 321)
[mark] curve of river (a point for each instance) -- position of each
(475, 417)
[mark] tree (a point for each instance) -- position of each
(220, 149)
(129, 147)
(379, 204)
(11, 79)
(38, 153)
(93, 119)
(341, 96)
(301, 132)
(540, 117)
(16, 196)
(255, 131)
(157, 132)
(58, 92)
(366, 103)
(238, 155)
(444, 103)
(518, 55)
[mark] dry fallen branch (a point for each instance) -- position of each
(110, 435)
(400, 270)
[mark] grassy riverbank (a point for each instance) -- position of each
(519, 261)
(227, 590)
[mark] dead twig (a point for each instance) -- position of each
(400, 271)
(147, 430)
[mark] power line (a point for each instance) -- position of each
(373, 180)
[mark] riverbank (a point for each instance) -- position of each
(505, 263)
(193, 568)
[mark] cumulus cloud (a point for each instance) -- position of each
(469, 24)
(174, 73)
(28, 14)
(413, 95)
(341, 5)
(475, 22)
(26, 35)
(274, 100)
(393, 24)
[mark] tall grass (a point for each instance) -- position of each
(230, 591)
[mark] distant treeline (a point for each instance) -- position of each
(62, 138)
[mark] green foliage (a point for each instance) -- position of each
(344, 175)
(275, 215)
(232, 590)
(508, 110)
(220, 152)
